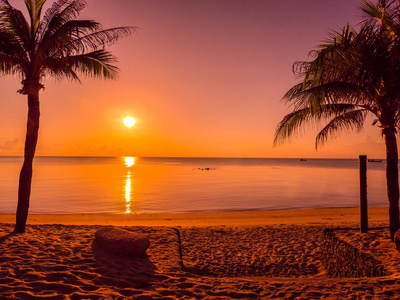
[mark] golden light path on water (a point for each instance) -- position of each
(129, 162)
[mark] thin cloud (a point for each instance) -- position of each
(7, 144)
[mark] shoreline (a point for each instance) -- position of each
(326, 216)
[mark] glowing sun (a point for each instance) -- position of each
(129, 122)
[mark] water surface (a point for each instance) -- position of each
(174, 185)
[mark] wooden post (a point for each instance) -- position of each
(363, 194)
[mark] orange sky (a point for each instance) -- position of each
(201, 78)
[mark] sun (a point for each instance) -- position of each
(129, 122)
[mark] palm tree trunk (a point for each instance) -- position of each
(25, 179)
(392, 179)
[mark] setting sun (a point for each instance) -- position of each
(129, 122)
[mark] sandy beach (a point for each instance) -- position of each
(240, 255)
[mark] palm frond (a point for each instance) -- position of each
(343, 70)
(347, 121)
(353, 73)
(313, 96)
(60, 13)
(295, 120)
(59, 45)
(10, 45)
(290, 124)
(371, 11)
(56, 42)
(97, 64)
(34, 8)
(10, 65)
(383, 15)
(335, 38)
(98, 39)
(13, 21)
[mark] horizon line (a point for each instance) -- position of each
(209, 157)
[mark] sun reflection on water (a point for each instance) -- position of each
(128, 193)
(129, 162)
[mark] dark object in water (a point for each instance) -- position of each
(303, 159)
(374, 160)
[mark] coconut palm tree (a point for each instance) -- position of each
(353, 74)
(57, 45)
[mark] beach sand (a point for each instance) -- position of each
(240, 255)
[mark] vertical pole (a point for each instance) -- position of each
(363, 194)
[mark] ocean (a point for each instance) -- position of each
(121, 185)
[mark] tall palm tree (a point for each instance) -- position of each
(353, 74)
(57, 45)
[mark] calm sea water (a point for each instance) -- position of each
(174, 185)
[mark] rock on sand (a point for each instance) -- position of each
(121, 242)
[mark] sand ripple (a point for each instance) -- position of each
(273, 251)
(268, 262)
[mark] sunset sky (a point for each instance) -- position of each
(201, 78)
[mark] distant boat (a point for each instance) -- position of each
(374, 160)
(303, 159)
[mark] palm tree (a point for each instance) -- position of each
(353, 74)
(57, 45)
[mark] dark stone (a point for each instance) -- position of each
(341, 259)
(397, 239)
(121, 242)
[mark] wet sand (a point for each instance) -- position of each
(245, 218)
(242, 255)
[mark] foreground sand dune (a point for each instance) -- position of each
(233, 261)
